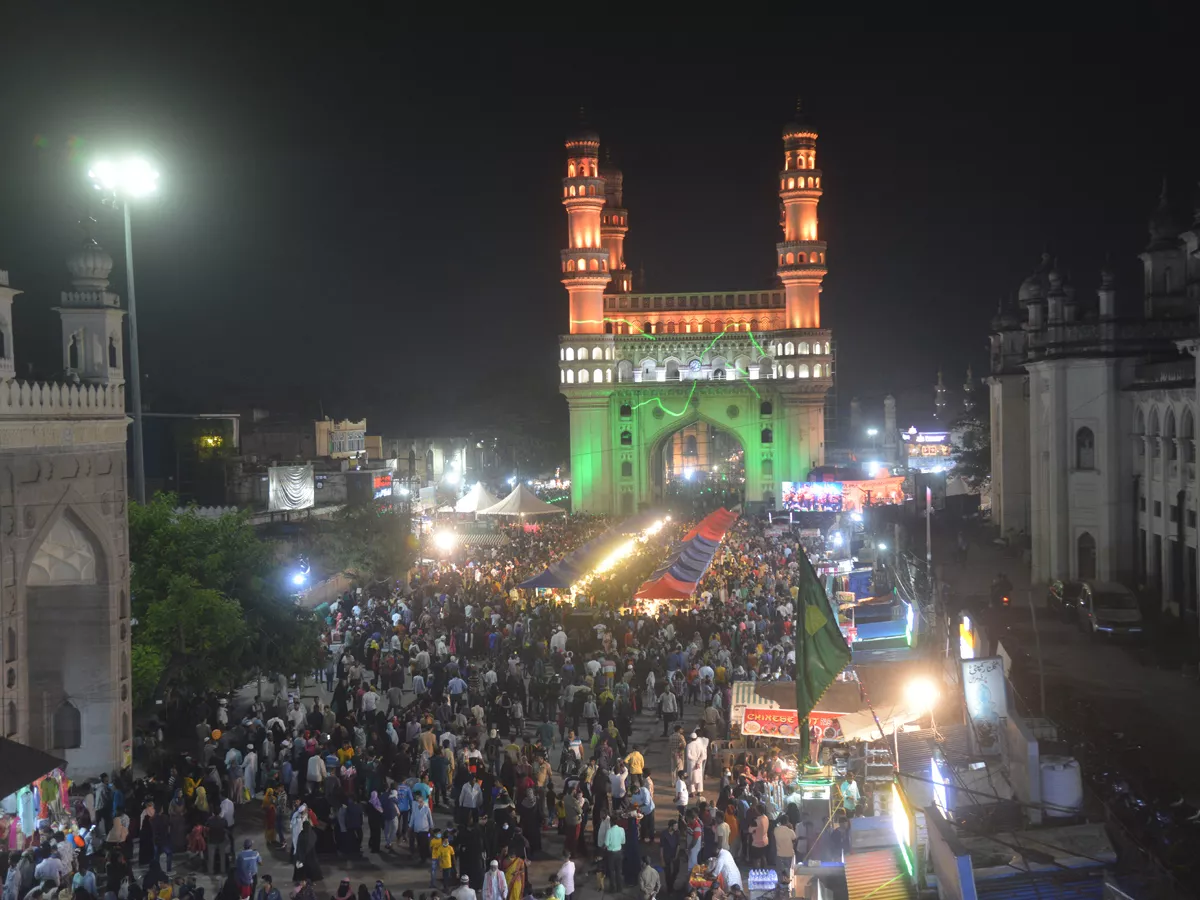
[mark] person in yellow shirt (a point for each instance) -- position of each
(445, 858)
(344, 753)
(720, 673)
(635, 761)
(435, 857)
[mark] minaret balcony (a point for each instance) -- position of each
(800, 257)
(582, 191)
(585, 261)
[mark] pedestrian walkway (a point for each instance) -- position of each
(399, 871)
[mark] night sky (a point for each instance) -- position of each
(363, 218)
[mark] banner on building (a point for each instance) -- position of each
(291, 487)
(777, 723)
(987, 702)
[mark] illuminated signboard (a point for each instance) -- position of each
(382, 485)
(778, 723)
(987, 702)
(939, 786)
(812, 496)
(966, 639)
(904, 827)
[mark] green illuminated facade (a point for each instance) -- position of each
(636, 368)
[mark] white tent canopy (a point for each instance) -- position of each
(475, 499)
(521, 502)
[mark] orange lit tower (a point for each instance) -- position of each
(649, 376)
(585, 262)
(801, 255)
(614, 223)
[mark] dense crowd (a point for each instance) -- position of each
(462, 720)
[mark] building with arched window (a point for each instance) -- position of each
(690, 364)
(67, 690)
(1093, 423)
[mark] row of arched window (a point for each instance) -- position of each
(591, 191)
(1151, 428)
(586, 265)
(691, 326)
(596, 376)
(800, 161)
(789, 259)
(607, 219)
(800, 371)
(797, 184)
(789, 349)
(586, 167)
(767, 436)
(570, 354)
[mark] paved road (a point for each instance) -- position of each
(1124, 688)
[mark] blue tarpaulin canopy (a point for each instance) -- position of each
(565, 572)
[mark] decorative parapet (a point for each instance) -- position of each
(26, 399)
(207, 512)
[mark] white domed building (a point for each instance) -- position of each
(64, 555)
(1093, 418)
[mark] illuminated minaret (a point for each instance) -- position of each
(585, 262)
(801, 255)
(614, 223)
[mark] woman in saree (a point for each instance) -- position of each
(515, 874)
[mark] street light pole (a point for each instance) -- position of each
(134, 177)
(135, 370)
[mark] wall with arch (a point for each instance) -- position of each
(63, 516)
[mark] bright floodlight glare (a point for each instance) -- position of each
(512, 479)
(872, 468)
(921, 694)
(871, 432)
(134, 177)
(881, 545)
(299, 578)
(856, 516)
(445, 540)
(837, 539)
(451, 477)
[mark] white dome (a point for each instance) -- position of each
(90, 265)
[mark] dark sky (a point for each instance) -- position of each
(363, 215)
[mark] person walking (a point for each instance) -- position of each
(669, 845)
(614, 845)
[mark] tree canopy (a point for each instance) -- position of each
(973, 459)
(366, 543)
(209, 601)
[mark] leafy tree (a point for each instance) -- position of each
(366, 543)
(210, 602)
(973, 457)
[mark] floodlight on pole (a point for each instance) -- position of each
(123, 181)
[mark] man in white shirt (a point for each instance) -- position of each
(723, 864)
(693, 759)
(558, 644)
(617, 779)
(681, 793)
(370, 700)
(566, 875)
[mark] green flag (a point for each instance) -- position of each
(821, 651)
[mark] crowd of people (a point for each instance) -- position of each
(457, 721)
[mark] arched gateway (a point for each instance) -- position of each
(638, 369)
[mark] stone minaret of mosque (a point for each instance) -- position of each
(969, 392)
(801, 255)
(585, 262)
(939, 400)
(91, 314)
(614, 224)
(7, 357)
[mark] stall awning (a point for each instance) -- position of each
(21, 765)
(878, 875)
